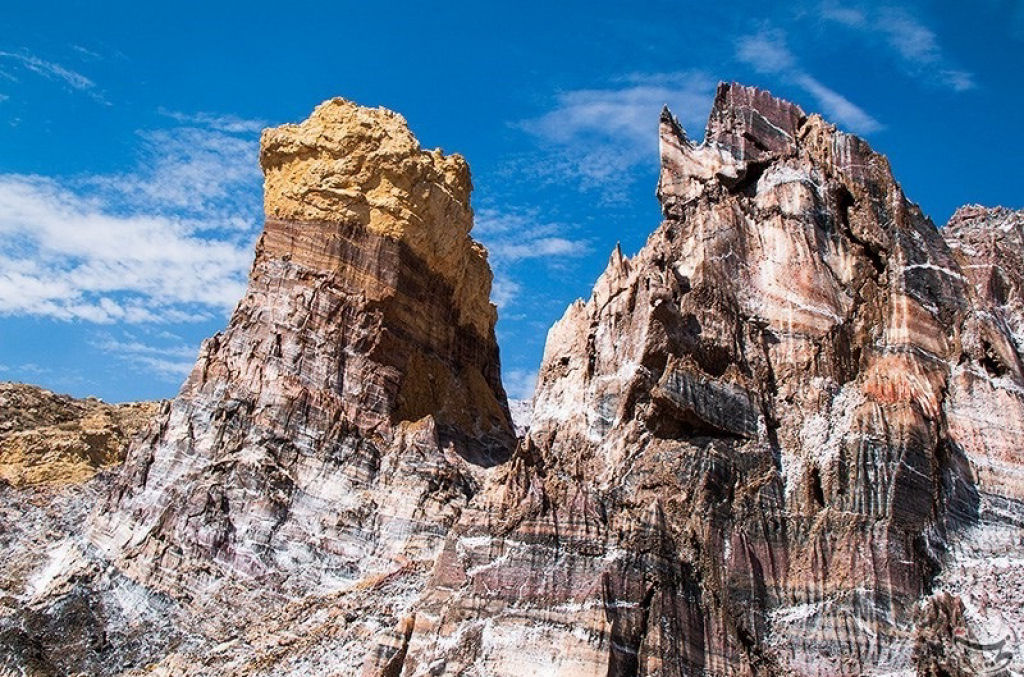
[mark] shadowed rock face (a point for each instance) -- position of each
(784, 438)
(332, 430)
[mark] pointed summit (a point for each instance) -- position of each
(751, 123)
(365, 340)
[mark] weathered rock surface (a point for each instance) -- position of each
(784, 438)
(50, 438)
(330, 432)
(328, 438)
(54, 450)
(756, 446)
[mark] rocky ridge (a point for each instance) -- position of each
(750, 450)
(57, 458)
(784, 438)
(47, 438)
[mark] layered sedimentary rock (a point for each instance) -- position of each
(331, 432)
(758, 443)
(783, 438)
(981, 582)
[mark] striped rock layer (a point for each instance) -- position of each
(772, 442)
(332, 430)
(782, 439)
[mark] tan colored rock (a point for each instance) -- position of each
(363, 165)
(333, 431)
(783, 439)
(49, 439)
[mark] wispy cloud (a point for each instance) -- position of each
(52, 71)
(170, 363)
(598, 136)
(520, 384)
(504, 290)
(540, 248)
(231, 124)
(768, 53)
(514, 236)
(189, 171)
(914, 44)
(168, 243)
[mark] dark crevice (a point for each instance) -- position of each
(874, 253)
(991, 362)
(817, 492)
(748, 180)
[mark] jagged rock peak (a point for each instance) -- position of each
(978, 217)
(747, 131)
(783, 439)
(757, 442)
(359, 373)
(352, 164)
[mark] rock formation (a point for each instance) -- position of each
(329, 433)
(783, 438)
(55, 457)
(754, 447)
(48, 438)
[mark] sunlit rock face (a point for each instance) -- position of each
(752, 448)
(331, 432)
(785, 438)
(56, 458)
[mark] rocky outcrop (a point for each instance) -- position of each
(55, 455)
(981, 582)
(47, 438)
(749, 451)
(332, 431)
(783, 438)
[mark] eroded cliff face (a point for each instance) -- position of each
(56, 459)
(784, 438)
(754, 447)
(328, 433)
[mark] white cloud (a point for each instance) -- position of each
(171, 363)
(52, 71)
(190, 171)
(838, 107)
(540, 248)
(598, 136)
(520, 384)
(170, 242)
(515, 236)
(915, 44)
(768, 53)
(222, 123)
(845, 15)
(504, 290)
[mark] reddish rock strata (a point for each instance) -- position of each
(784, 438)
(329, 433)
(749, 451)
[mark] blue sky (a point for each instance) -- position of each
(130, 190)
